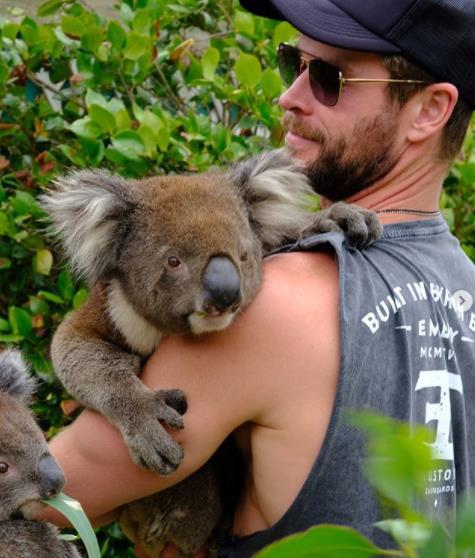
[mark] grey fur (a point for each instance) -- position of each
(119, 235)
(22, 487)
(14, 377)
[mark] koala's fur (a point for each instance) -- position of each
(122, 236)
(28, 473)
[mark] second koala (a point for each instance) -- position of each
(28, 472)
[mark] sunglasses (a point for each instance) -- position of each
(326, 80)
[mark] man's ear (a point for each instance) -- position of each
(277, 196)
(430, 110)
(87, 209)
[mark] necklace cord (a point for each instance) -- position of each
(409, 211)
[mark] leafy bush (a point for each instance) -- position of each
(166, 87)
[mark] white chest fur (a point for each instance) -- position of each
(141, 335)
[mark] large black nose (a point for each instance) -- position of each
(51, 477)
(221, 283)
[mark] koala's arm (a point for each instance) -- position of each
(97, 369)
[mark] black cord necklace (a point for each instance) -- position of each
(410, 211)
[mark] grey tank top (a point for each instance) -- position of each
(407, 334)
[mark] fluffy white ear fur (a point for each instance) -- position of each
(85, 208)
(14, 377)
(277, 194)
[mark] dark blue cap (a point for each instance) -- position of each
(438, 35)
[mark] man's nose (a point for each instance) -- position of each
(299, 96)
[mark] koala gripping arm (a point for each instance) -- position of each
(97, 369)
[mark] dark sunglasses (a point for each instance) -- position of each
(326, 80)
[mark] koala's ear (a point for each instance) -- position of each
(277, 195)
(87, 209)
(14, 377)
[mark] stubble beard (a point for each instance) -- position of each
(344, 167)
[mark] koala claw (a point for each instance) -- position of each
(153, 448)
(361, 226)
(176, 399)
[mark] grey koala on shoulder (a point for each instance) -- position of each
(165, 255)
(28, 472)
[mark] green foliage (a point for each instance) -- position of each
(162, 88)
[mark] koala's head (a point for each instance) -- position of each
(28, 472)
(183, 251)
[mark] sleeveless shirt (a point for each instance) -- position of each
(407, 351)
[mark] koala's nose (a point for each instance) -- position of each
(221, 283)
(51, 477)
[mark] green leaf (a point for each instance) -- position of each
(24, 203)
(465, 526)
(93, 98)
(43, 261)
(248, 69)
(73, 26)
(405, 532)
(284, 33)
(400, 457)
(136, 46)
(149, 139)
(86, 128)
(323, 541)
(163, 138)
(271, 83)
(75, 514)
(51, 297)
(91, 39)
(49, 8)
(79, 298)
(244, 23)
(129, 144)
(20, 321)
(38, 306)
(65, 285)
(116, 35)
(209, 62)
(13, 338)
(4, 325)
(438, 544)
(103, 117)
(4, 72)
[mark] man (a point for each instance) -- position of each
(390, 328)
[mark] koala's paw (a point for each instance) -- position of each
(361, 226)
(150, 445)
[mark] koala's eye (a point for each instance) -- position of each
(173, 261)
(3, 467)
(244, 257)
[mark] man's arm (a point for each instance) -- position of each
(247, 373)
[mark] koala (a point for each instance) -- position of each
(28, 472)
(170, 255)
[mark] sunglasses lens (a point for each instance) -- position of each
(288, 60)
(325, 82)
(324, 78)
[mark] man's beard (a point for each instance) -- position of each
(345, 167)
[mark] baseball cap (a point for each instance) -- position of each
(438, 35)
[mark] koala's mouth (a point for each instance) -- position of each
(203, 322)
(29, 509)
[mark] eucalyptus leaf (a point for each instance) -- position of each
(73, 511)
